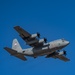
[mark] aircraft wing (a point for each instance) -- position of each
(27, 37)
(15, 53)
(55, 56)
(24, 34)
(61, 57)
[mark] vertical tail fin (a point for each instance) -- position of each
(16, 46)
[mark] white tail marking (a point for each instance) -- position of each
(16, 46)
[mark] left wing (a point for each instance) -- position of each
(31, 40)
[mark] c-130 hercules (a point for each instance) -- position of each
(38, 47)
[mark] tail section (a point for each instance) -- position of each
(16, 46)
(16, 50)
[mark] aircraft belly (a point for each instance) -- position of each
(41, 51)
(28, 52)
(45, 51)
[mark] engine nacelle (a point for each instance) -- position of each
(43, 40)
(62, 53)
(35, 35)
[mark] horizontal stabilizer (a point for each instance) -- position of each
(15, 53)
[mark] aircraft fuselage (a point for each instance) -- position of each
(48, 48)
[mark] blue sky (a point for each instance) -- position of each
(54, 19)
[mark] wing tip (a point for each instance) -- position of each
(67, 60)
(16, 27)
(5, 48)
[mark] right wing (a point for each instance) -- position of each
(55, 56)
(61, 57)
(34, 42)
(15, 53)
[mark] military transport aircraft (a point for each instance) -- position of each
(39, 47)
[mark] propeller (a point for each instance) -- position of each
(45, 40)
(38, 34)
(65, 53)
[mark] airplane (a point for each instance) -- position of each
(39, 47)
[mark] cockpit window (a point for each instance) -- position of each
(63, 40)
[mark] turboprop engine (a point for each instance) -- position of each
(35, 35)
(62, 53)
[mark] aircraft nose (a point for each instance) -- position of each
(67, 42)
